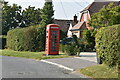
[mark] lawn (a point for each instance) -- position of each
(31, 55)
(100, 71)
(3, 36)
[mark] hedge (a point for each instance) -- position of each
(108, 45)
(26, 39)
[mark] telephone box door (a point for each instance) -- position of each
(52, 39)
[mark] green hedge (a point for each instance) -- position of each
(26, 39)
(108, 44)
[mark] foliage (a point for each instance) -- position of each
(71, 48)
(107, 45)
(89, 39)
(47, 13)
(30, 16)
(26, 39)
(47, 18)
(108, 15)
(62, 35)
(11, 17)
(1, 5)
(62, 48)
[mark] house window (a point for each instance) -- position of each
(85, 16)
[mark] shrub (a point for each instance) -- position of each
(89, 39)
(107, 44)
(26, 39)
(71, 48)
(62, 48)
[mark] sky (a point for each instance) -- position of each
(64, 9)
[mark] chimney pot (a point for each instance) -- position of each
(75, 19)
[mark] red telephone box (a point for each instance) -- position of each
(52, 39)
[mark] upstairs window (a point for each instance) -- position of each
(85, 16)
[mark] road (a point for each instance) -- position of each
(13, 67)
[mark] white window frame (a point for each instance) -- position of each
(85, 16)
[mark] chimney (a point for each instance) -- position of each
(75, 19)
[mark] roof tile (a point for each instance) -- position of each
(78, 26)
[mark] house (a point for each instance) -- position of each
(64, 24)
(86, 15)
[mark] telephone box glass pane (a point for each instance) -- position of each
(54, 40)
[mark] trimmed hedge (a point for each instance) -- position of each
(108, 45)
(26, 39)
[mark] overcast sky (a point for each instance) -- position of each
(64, 9)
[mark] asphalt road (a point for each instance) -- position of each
(74, 63)
(13, 67)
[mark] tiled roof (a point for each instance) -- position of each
(96, 6)
(78, 26)
(64, 24)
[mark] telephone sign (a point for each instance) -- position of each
(52, 39)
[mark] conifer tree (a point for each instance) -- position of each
(31, 16)
(47, 18)
(11, 17)
(47, 13)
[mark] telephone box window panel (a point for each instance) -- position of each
(52, 39)
(54, 27)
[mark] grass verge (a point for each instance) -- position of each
(31, 55)
(100, 71)
(3, 36)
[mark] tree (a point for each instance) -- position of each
(108, 15)
(11, 17)
(47, 13)
(31, 16)
(1, 5)
(47, 17)
(89, 38)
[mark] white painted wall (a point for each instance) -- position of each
(69, 33)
